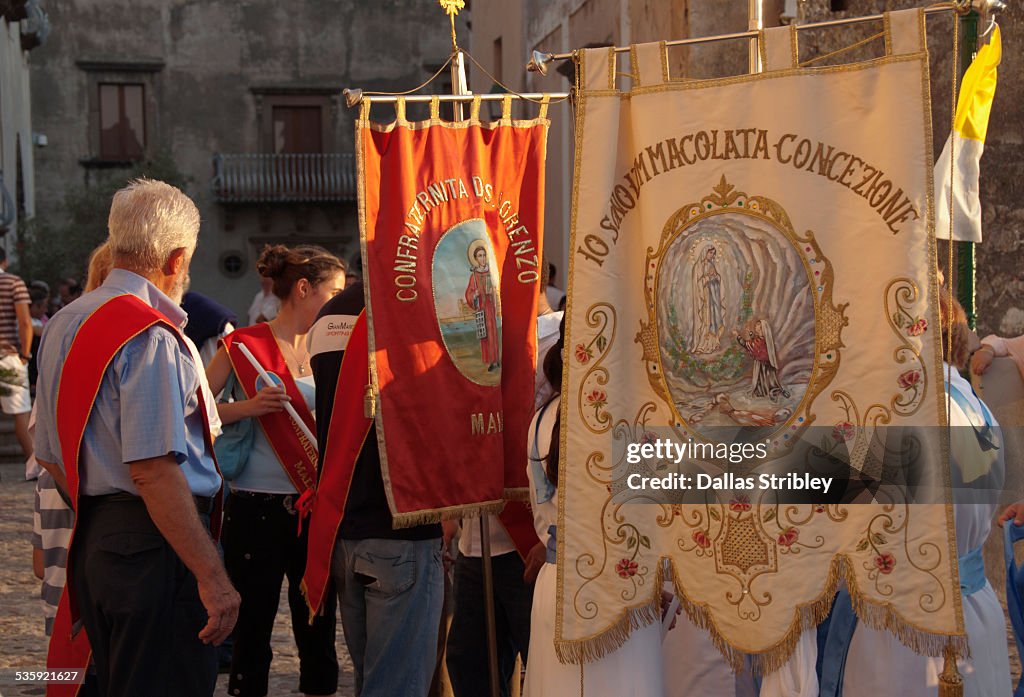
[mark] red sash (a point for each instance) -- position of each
(97, 342)
(294, 451)
(348, 430)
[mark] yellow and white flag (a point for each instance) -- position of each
(968, 139)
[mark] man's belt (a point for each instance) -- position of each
(204, 504)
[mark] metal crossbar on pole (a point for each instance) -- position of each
(354, 97)
(540, 59)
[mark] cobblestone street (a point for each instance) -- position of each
(22, 642)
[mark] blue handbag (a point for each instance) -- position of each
(234, 444)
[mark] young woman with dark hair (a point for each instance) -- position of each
(274, 467)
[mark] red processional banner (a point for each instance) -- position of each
(451, 218)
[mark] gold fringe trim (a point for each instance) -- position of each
(305, 596)
(596, 648)
(876, 616)
(474, 510)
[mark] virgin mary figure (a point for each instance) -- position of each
(708, 322)
(482, 297)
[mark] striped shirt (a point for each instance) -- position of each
(12, 292)
(51, 532)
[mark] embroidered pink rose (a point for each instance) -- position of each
(740, 504)
(582, 354)
(649, 437)
(917, 328)
(626, 568)
(597, 398)
(885, 563)
(909, 379)
(788, 536)
(701, 538)
(843, 431)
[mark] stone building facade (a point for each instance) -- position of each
(245, 96)
(23, 27)
(506, 31)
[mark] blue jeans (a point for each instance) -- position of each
(391, 594)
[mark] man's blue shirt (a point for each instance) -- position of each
(147, 405)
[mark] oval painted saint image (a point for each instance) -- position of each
(735, 317)
(467, 301)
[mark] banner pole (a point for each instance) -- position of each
(966, 267)
(755, 23)
(459, 89)
(492, 640)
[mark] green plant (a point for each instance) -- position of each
(57, 244)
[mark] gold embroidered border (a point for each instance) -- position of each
(933, 311)
(581, 111)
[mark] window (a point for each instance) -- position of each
(232, 264)
(297, 129)
(296, 120)
(497, 60)
(122, 121)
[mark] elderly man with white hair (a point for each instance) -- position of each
(122, 427)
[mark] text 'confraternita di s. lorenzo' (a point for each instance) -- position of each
(444, 191)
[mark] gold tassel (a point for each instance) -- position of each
(950, 682)
(369, 403)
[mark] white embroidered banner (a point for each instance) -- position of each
(753, 318)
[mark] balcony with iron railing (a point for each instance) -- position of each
(284, 178)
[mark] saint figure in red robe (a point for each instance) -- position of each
(481, 295)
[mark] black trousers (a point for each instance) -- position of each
(467, 637)
(261, 547)
(139, 603)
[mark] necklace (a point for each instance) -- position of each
(301, 365)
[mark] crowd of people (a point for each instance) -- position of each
(127, 463)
